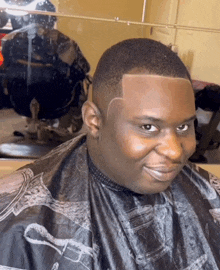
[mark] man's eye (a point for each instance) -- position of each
(149, 127)
(183, 128)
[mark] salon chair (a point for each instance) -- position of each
(207, 135)
(47, 81)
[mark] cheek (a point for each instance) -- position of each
(134, 147)
(190, 145)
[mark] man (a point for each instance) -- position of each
(123, 196)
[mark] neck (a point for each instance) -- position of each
(93, 149)
(96, 155)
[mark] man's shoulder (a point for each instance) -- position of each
(37, 176)
(200, 171)
(68, 150)
(205, 181)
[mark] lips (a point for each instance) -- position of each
(162, 173)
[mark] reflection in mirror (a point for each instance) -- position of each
(45, 78)
(46, 68)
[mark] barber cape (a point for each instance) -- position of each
(60, 212)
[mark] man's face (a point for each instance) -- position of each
(149, 134)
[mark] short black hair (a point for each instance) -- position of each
(138, 53)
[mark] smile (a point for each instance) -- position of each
(162, 173)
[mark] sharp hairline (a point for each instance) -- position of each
(155, 119)
(153, 75)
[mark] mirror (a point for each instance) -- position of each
(41, 62)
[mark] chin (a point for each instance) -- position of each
(152, 189)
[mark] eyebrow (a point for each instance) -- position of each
(154, 119)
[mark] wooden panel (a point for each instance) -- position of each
(95, 37)
(199, 13)
(124, 9)
(214, 169)
(200, 52)
(8, 166)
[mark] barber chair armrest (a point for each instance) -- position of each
(212, 168)
(8, 166)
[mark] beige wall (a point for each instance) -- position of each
(56, 4)
(94, 37)
(204, 46)
(124, 9)
(200, 51)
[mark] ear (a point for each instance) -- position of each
(91, 118)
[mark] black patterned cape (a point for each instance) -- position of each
(58, 214)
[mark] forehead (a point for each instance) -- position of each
(159, 95)
(146, 82)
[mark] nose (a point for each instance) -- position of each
(171, 147)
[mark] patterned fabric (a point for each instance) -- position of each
(62, 213)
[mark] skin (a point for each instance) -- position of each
(147, 135)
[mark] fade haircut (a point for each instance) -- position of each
(144, 54)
